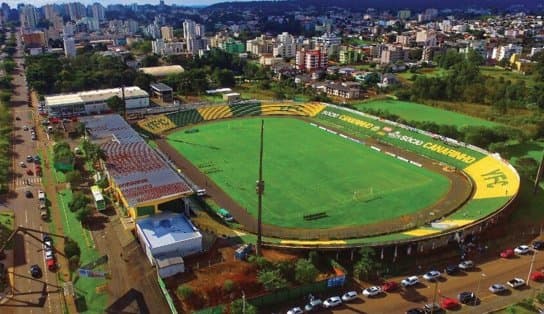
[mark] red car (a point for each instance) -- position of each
(507, 253)
(390, 286)
(537, 276)
(51, 264)
(449, 303)
(29, 172)
(38, 170)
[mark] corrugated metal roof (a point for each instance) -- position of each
(94, 96)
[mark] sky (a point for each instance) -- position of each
(38, 3)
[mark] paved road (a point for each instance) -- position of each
(484, 275)
(31, 295)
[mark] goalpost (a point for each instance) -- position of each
(362, 193)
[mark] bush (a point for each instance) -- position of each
(228, 285)
(71, 248)
(73, 262)
(305, 271)
(238, 307)
(79, 200)
(185, 291)
(260, 262)
(272, 279)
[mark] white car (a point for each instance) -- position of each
(497, 288)
(332, 302)
(465, 265)
(431, 275)
(410, 281)
(48, 254)
(516, 283)
(295, 310)
(372, 291)
(348, 296)
(522, 250)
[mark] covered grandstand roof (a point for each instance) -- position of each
(163, 70)
(139, 172)
(94, 96)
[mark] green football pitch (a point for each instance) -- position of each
(306, 171)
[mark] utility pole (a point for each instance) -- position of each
(531, 267)
(434, 295)
(260, 192)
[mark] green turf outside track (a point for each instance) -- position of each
(411, 111)
(307, 170)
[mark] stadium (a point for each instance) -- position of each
(336, 177)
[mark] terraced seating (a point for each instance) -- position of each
(241, 110)
(186, 117)
(157, 124)
(309, 110)
(215, 112)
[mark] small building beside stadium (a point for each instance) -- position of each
(166, 238)
(141, 181)
(94, 101)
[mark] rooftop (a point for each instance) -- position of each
(167, 228)
(163, 70)
(139, 172)
(161, 87)
(94, 96)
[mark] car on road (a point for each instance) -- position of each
(28, 194)
(35, 271)
(48, 254)
(516, 282)
(449, 303)
(22, 164)
(17, 118)
(372, 291)
(38, 170)
(537, 276)
(538, 245)
(29, 172)
(390, 286)
(466, 265)
(295, 310)
(431, 275)
(507, 253)
(332, 302)
(522, 250)
(415, 311)
(452, 269)
(497, 288)
(467, 297)
(29, 158)
(432, 308)
(25, 128)
(313, 305)
(51, 264)
(47, 241)
(37, 159)
(410, 281)
(349, 296)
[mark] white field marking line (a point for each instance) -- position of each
(64, 211)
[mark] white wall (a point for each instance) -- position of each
(171, 270)
(186, 247)
(135, 103)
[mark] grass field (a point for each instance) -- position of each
(497, 72)
(307, 171)
(7, 221)
(411, 111)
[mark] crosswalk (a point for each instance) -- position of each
(22, 182)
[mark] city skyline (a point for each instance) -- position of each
(38, 3)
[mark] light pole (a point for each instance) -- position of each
(531, 267)
(434, 295)
(478, 288)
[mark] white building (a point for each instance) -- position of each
(535, 50)
(98, 11)
(162, 48)
(285, 46)
(91, 102)
(167, 33)
(426, 38)
(69, 47)
(329, 42)
(504, 52)
(28, 16)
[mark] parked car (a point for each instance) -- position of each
(415, 311)
(313, 305)
(432, 275)
(225, 215)
(29, 158)
(410, 281)
(372, 291)
(516, 282)
(25, 128)
(35, 271)
(47, 241)
(538, 245)
(452, 269)
(37, 159)
(497, 288)
(22, 164)
(432, 308)
(507, 253)
(349, 296)
(295, 310)
(449, 303)
(28, 194)
(29, 172)
(522, 250)
(466, 265)
(467, 297)
(537, 276)
(390, 286)
(51, 264)
(332, 302)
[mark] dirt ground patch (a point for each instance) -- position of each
(280, 256)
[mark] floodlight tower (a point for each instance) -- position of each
(260, 191)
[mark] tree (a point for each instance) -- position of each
(74, 177)
(71, 248)
(224, 78)
(79, 201)
(527, 167)
(83, 213)
(366, 266)
(238, 307)
(115, 103)
(228, 285)
(305, 271)
(62, 153)
(272, 279)
(184, 291)
(150, 61)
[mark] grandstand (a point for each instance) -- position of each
(309, 110)
(215, 112)
(186, 117)
(246, 109)
(157, 124)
